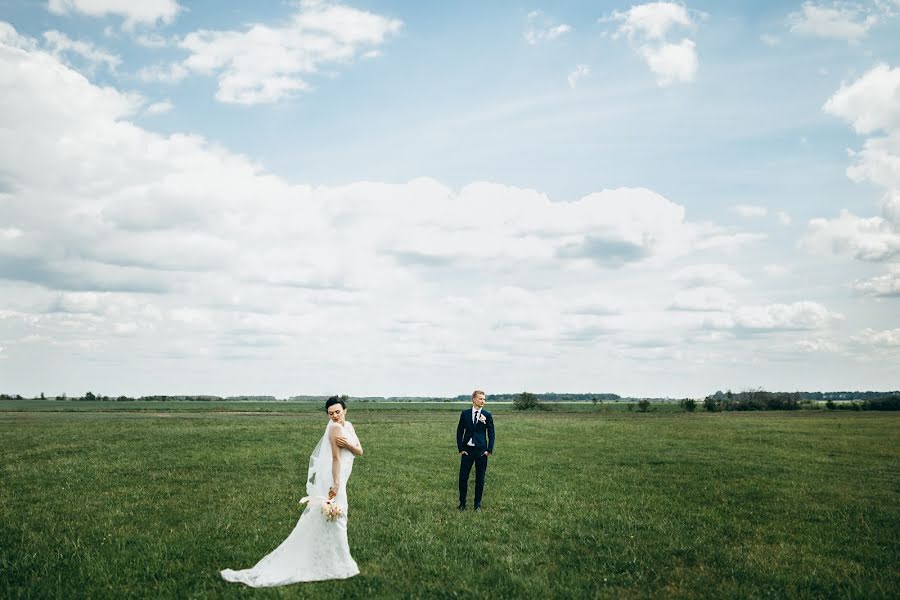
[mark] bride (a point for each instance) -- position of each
(317, 548)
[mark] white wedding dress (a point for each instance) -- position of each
(316, 549)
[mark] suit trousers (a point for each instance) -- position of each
(472, 457)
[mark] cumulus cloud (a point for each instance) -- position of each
(578, 73)
(647, 28)
(652, 20)
(172, 73)
(887, 285)
(796, 316)
(868, 239)
(541, 29)
(264, 64)
(144, 12)
(60, 44)
(870, 105)
(159, 108)
(886, 338)
(841, 20)
(783, 218)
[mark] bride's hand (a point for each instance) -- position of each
(342, 442)
(332, 492)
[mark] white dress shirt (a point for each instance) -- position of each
(475, 413)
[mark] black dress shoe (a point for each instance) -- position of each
(461, 507)
(477, 508)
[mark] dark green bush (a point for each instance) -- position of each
(888, 403)
(526, 401)
(688, 404)
(712, 404)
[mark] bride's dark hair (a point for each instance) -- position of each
(335, 400)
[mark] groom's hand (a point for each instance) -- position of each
(463, 452)
(486, 453)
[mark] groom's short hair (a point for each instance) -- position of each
(476, 392)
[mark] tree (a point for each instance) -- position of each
(526, 401)
(688, 404)
(643, 405)
(712, 404)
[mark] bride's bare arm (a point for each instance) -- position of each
(335, 462)
(343, 442)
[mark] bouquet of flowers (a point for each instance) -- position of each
(331, 511)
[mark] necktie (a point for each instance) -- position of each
(475, 417)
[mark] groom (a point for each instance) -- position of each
(475, 442)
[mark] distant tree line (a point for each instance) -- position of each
(92, 397)
(884, 403)
(847, 395)
(550, 397)
(762, 400)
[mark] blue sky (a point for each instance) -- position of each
(422, 198)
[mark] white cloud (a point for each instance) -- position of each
(264, 64)
(60, 44)
(872, 239)
(540, 29)
(172, 73)
(796, 316)
(770, 40)
(579, 72)
(9, 35)
(783, 218)
(159, 108)
(884, 285)
(842, 20)
(672, 63)
(750, 211)
(870, 103)
(652, 21)
(886, 338)
(142, 12)
(818, 345)
(647, 26)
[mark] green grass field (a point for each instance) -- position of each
(152, 501)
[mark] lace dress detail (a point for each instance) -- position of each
(316, 549)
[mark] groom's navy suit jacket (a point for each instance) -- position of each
(481, 434)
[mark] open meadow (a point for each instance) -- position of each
(152, 499)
